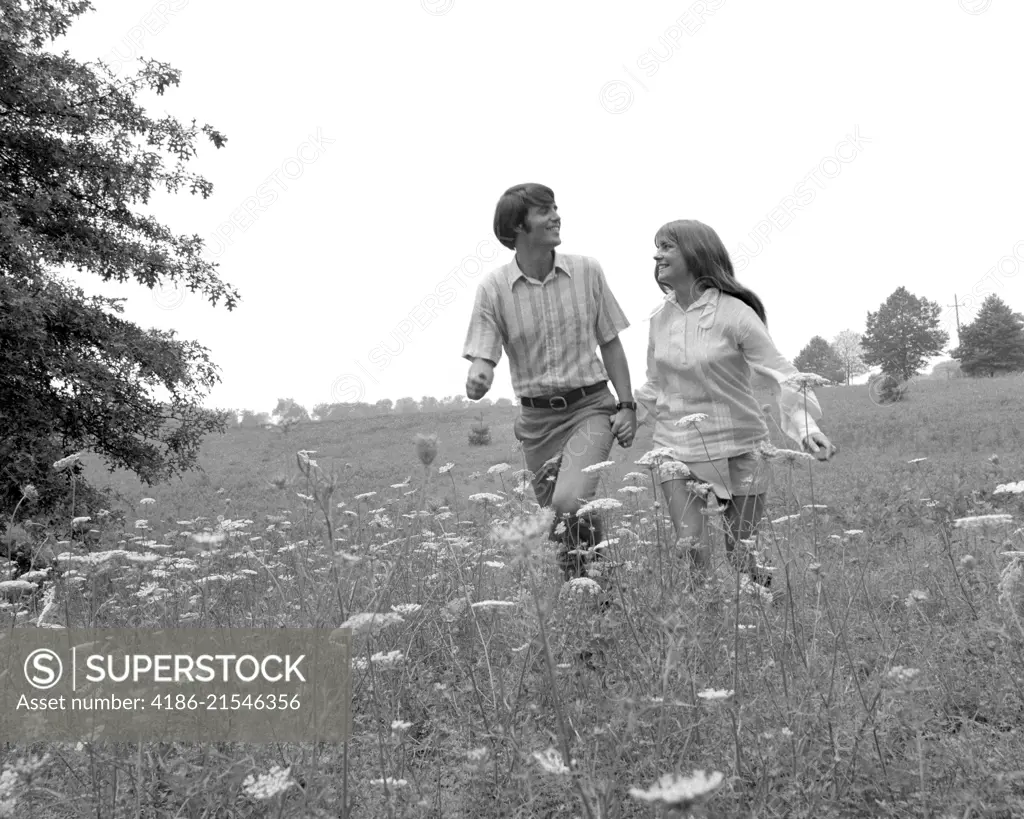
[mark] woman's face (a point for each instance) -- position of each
(670, 266)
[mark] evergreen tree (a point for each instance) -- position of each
(994, 342)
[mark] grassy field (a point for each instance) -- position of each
(884, 678)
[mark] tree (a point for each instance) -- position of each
(993, 342)
(903, 334)
(79, 162)
(429, 404)
(850, 353)
(288, 409)
(253, 419)
(503, 402)
(819, 357)
(457, 402)
(384, 405)
(406, 405)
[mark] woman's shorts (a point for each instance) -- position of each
(737, 476)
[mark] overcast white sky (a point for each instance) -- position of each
(840, 150)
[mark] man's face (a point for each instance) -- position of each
(541, 227)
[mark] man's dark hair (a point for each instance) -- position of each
(513, 206)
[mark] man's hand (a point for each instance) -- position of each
(820, 446)
(624, 427)
(478, 382)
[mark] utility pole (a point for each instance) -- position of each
(956, 304)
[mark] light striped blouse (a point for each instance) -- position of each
(707, 359)
(550, 329)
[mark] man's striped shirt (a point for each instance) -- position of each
(550, 329)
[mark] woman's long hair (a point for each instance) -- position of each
(708, 262)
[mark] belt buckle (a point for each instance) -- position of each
(565, 404)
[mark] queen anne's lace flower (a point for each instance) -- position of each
(268, 785)
(599, 505)
(678, 791)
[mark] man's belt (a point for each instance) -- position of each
(561, 402)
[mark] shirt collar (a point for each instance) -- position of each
(514, 273)
(709, 298)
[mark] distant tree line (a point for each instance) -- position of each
(904, 333)
(289, 411)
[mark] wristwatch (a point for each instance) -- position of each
(626, 405)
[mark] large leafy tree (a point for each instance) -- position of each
(994, 342)
(903, 334)
(79, 160)
(850, 353)
(818, 357)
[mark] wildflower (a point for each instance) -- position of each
(444, 470)
(406, 608)
(598, 467)
(478, 756)
(1009, 577)
(655, 456)
(391, 782)
(765, 451)
(916, 460)
(676, 469)
(498, 469)
(632, 490)
(426, 448)
(968, 562)
(994, 459)
(1009, 489)
(715, 695)
(403, 484)
(493, 604)
(599, 505)
(208, 538)
(814, 506)
(978, 521)
(804, 380)
(900, 675)
(80, 521)
(852, 532)
(636, 477)
(367, 621)
(15, 586)
(692, 420)
(494, 564)
(791, 456)
(581, 586)
(681, 792)
(786, 732)
(486, 497)
(277, 780)
(29, 492)
(551, 762)
(916, 596)
(68, 462)
(365, 495)
(388, 659)
(400, 727)
(474, 475)
(147, 501)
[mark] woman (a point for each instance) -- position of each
(706, 340)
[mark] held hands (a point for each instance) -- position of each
(624, 427)
(820, 446)
(478, 382)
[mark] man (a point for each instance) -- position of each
(551, 312)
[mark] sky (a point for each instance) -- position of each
(839, 150)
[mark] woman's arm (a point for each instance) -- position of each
(798, 408)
